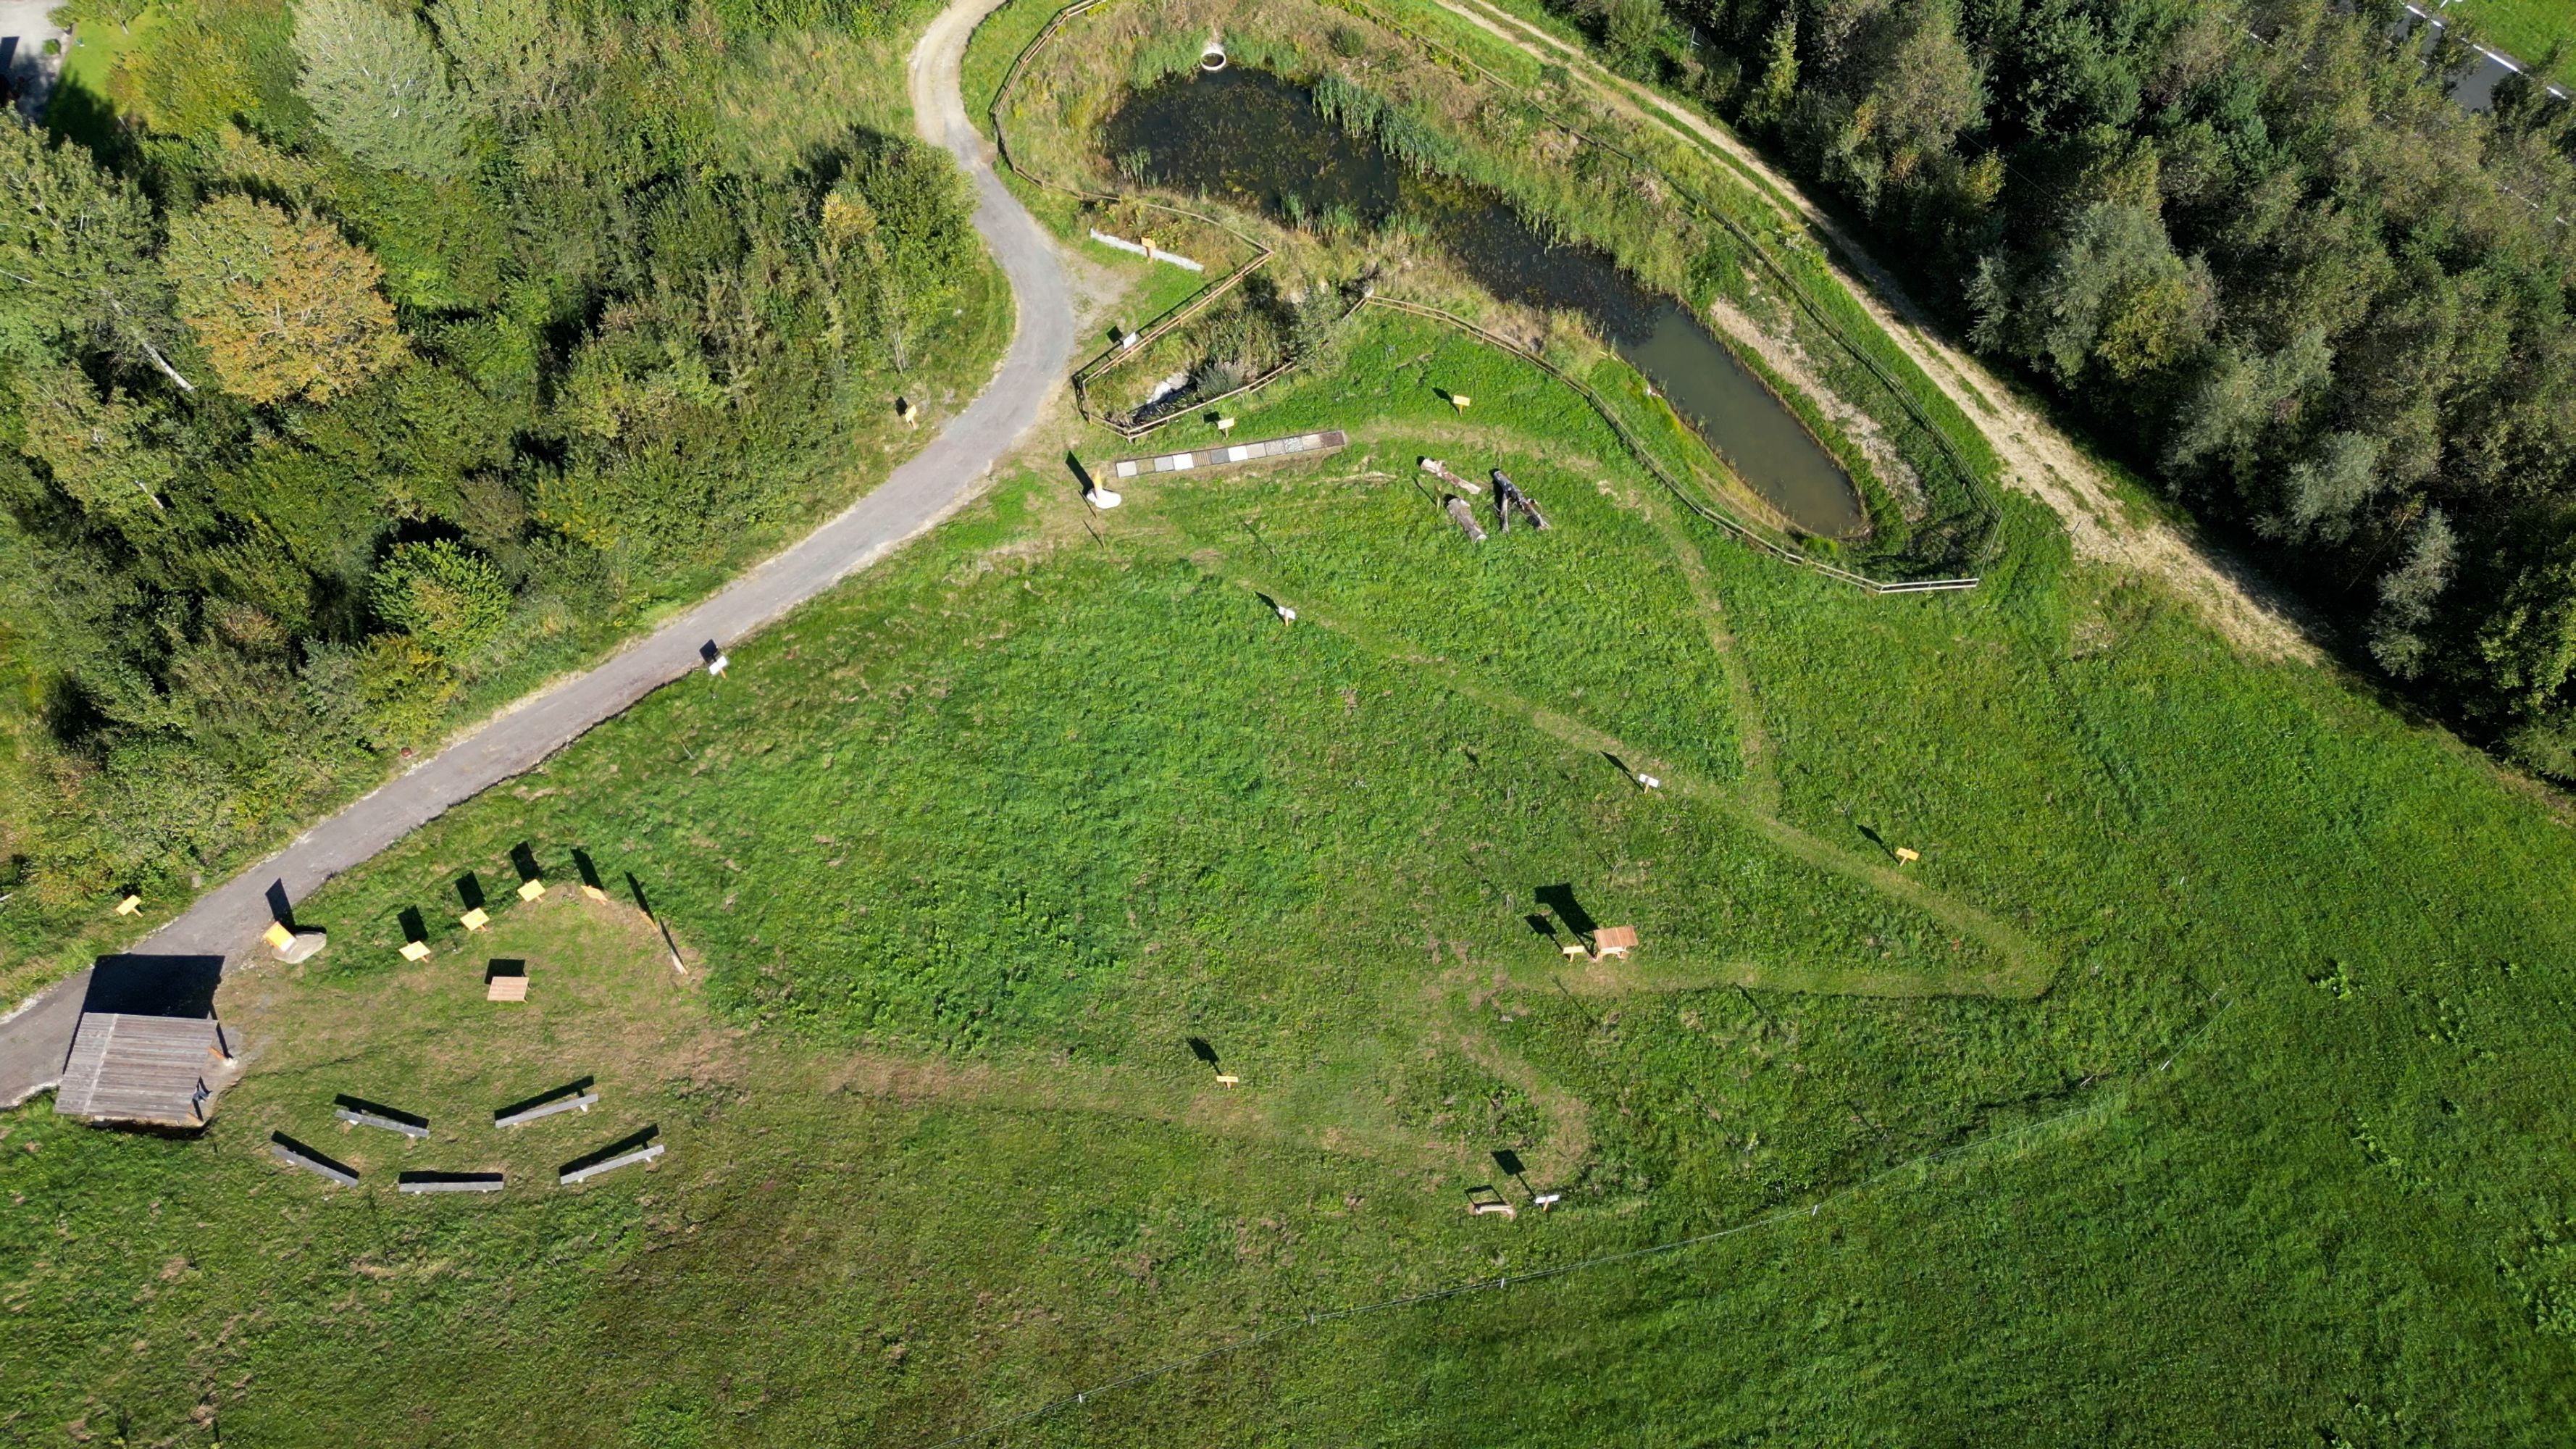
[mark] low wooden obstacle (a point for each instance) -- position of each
(1465, 518)
(1486, 1198)
(1509, 499)
(1440, 470)
(359, 1112)
(570, 1097)
(624, 1152)
(295, 1154)
(1303, 445)
(419, 1182)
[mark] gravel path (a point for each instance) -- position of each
(228, 919)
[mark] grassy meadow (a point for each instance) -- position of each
(2197, 1085)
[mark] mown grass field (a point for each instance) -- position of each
(2200, 1083)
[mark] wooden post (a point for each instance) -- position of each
(1459, 401)
(129, 905)
(1907, 857)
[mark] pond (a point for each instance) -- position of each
(1256, 139)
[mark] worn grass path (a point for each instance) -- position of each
(1755, 800)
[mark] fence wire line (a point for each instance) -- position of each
(1316, 1319)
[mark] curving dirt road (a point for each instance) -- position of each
(228, 919)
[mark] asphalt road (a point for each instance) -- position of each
(227, 920)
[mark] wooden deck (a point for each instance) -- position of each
(158, 1069)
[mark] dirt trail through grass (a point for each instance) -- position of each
(2037, 458)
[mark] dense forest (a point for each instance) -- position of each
(360, 365)
(2256, 246)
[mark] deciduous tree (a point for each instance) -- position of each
(282, 304)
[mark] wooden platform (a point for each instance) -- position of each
(506, 988)
(157, 1069)
(1302, 445)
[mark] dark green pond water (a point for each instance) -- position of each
(1255, 139)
